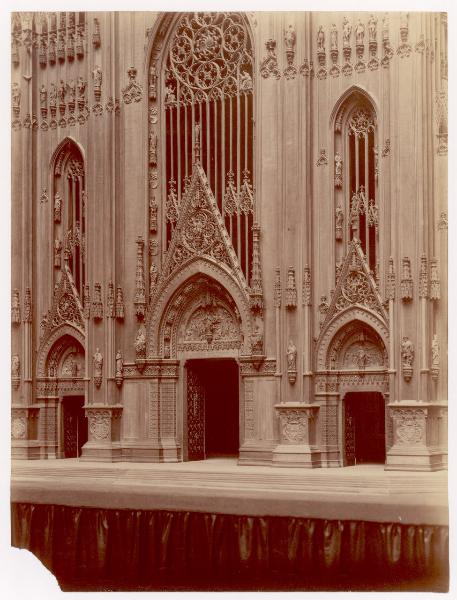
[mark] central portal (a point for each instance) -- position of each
(212, 415)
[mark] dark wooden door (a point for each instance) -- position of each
(364, 428)
(349, 438)
(75, 431)
(195, 414)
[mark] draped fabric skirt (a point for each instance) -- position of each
(121, 549)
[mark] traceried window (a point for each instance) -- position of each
(69, 212)
(356, 149)
(208, 80)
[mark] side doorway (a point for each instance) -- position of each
(212, 413)
(364, 428)
(74, 426)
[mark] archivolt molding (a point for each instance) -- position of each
(342, 320)
(173, 301)
(44, 353)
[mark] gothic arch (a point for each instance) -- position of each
(353, 94)
(66, 332)
(174, 302)
(64, 149)
(352, 315)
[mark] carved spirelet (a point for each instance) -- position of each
(390, 283)
(435, 286)
(119, 309)
(435, 368)
(140, 286)
(28, 306)
(97, 304)
(291, 289)
(306, 286)
(423, 277)
(110, 304)
(277, 288)
(15, 308)
(406, 280)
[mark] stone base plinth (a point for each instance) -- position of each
(296, 455)
(297, 435)
(104, 433)
(153, 453)
(256, 453)
(417, 436)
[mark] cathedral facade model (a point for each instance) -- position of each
(229, 237)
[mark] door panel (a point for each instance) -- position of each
(364, 428)
(195, 414)
(349, 428)
(75, 431)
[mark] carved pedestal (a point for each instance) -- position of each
(104, 433)
(297, 436)
(416, 437)
(24, 429)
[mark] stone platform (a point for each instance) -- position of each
(220, 485)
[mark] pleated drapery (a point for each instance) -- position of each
(109, 549)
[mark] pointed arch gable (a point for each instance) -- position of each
(355, 91)
(195, 268)
(67, 146)
(47, 345)
(341, 321)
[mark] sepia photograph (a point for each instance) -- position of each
(229, 299)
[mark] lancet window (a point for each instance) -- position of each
(69, 212)
(208, 82)
(356, 174)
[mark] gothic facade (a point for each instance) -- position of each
(229, 236)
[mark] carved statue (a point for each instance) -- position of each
(407, 352)
(153, 276)
(57, 252)
(339, 217)
(119, 363)
(338, 170)
(152, 148)
(289, 38)
(140, 342)
(61, 92)
(16, 96)
(15, 366)
(291, 356)
(57, 208)
(53, 96)
(320, 39)
(333, 38)
(373, 21)
(347, 30)
(359, 33)
(72, 89)
(81, 85)
(245, 81)
(169, 94)
(97, 77)
(385, 28)
(15, 308)
(73, 366)
(98, 363)
(435, 352)
(323, 308)
(43, 97)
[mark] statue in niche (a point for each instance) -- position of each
(152, 148)
(57, 208)
(338, 170)
(98, 363)
(289, 37)
(333, 38)
(291, 356)
(61, 92)
(407, 352)
(435, 352)
(140, 342)
(15, 366)
(57, 253)
(53, 96)
(320, 39)
(119, 363)
(16, 96)
(359, 33)
(339, 217)
(72, 89)
(81, 85)
(153, 276)
(97, 77)
(347, 30)
(72, 366)
(43, 97)
(245, 81)
(372, 28)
